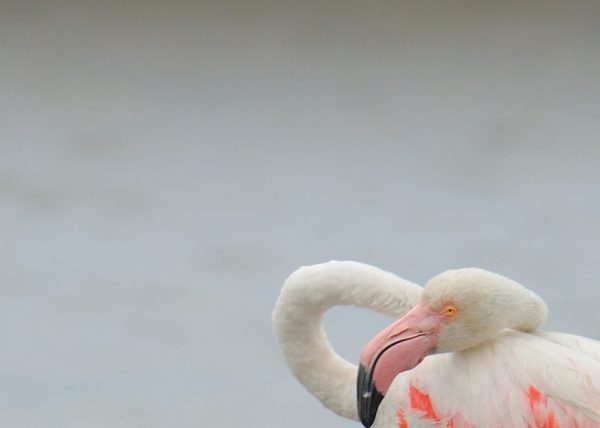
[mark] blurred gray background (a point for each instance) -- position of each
(165, 165)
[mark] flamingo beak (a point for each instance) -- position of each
(398, 348)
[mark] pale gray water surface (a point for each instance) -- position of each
(165, 165)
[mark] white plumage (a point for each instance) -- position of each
(496, 370)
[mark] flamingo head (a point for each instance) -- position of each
(458, 310)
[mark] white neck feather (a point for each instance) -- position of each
(297, 319)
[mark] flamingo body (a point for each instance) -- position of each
(511, 381)
(484, 364)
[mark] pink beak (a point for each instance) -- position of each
(396, 349)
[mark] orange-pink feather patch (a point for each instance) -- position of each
(543, 416)
(421, 402)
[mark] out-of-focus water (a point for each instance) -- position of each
(165, 165)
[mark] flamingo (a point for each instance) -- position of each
(465, 352)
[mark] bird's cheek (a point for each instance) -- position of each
(454, 336)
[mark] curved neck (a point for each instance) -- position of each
(297, 319)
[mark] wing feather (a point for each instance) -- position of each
(540, 380)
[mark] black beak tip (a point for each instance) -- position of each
(368, 398)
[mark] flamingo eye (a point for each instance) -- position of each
(450, 311)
